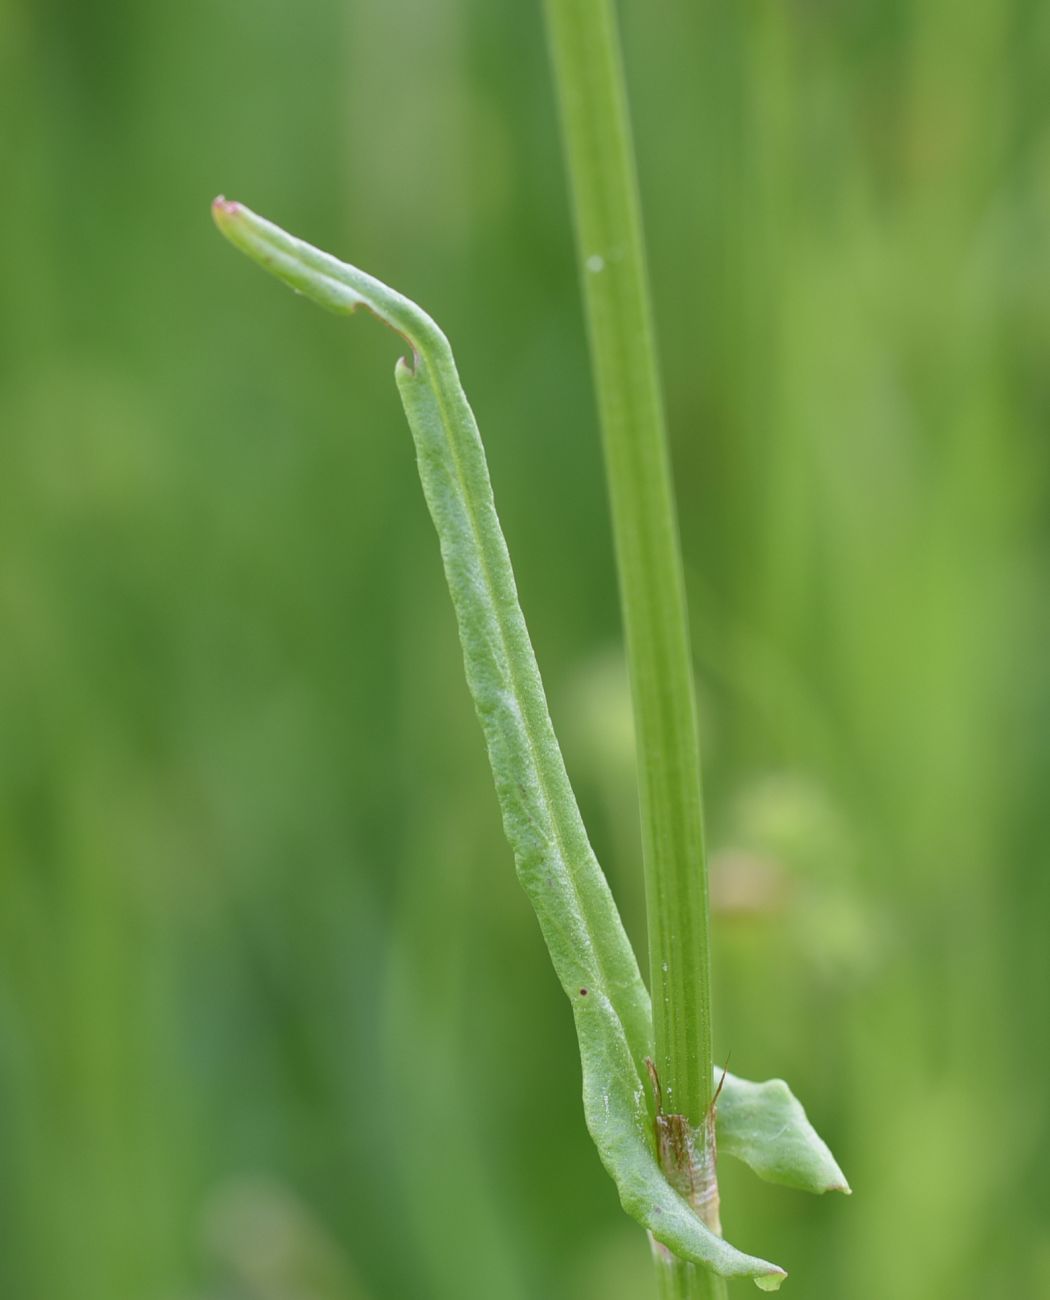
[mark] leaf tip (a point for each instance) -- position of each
(836, 1180)
(770, 1281)
(223, 209)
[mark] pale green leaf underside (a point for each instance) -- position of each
(556, 865)
(764, 1125)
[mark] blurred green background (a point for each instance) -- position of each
(276, 1022)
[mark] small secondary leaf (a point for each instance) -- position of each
(556, 865)
(764, 1125)
(618, 1121)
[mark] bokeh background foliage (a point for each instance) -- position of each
(275, 1020)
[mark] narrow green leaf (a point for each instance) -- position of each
(764, 1125)
(555, 862)
(556, 865)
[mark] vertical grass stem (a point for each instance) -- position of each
(609, 235)
(597, 136)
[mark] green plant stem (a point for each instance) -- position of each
(609, 234)
(676, 1280)
(596, 129)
